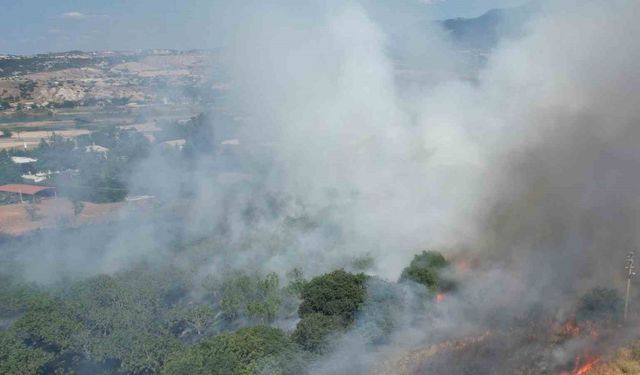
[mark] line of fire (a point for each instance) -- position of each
(578, 345)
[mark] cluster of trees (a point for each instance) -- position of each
(100, 177)
(197, 133)
(156, 320)
(9, 171)
(329, 305)
(121, 323)
(427, 269)
(146, 321)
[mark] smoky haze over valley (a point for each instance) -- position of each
(265, 207)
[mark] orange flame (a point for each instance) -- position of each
(440, 297)
(582, 369)
(571, 328)
(462, 266)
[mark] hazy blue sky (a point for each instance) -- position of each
(33, 26)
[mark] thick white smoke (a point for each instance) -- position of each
(533, 164)
(324, 104)
(382, 138)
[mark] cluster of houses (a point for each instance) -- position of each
(27, 191)
(35, 192)
(29, 174)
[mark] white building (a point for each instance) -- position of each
(22, 160)
(96, 148)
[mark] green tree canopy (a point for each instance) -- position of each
(425, 269)
(121, 320)
(251, 297)
(239, 353)
(17, 358)
(314, 330)
(338, 294)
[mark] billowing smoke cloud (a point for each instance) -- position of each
(564, 200)
(334, 132)
(532, 165)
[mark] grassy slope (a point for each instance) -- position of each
(625, 362)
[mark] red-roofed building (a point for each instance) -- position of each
(34, 191)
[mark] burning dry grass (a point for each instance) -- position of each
(406, 364)
(544, 348)
(626, 361)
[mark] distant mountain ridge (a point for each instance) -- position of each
(484, 32)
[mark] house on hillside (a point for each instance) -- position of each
(26, 164)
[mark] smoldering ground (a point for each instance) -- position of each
(531, 166)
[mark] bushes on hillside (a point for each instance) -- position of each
(601, 305)
(337, 294)
(329, 304)
(119, 321)
(18, 358)
(314, 331)
(241, 353)
(426, 269)
(246, 297)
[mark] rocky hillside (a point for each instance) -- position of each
(93, 78)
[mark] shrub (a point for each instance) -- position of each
(239, 353)
(338, 294)
(600, 304)
(33, 212)
(77, 207)
(313, 331)
(425, 268)
(251, 297)
(17, 358)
